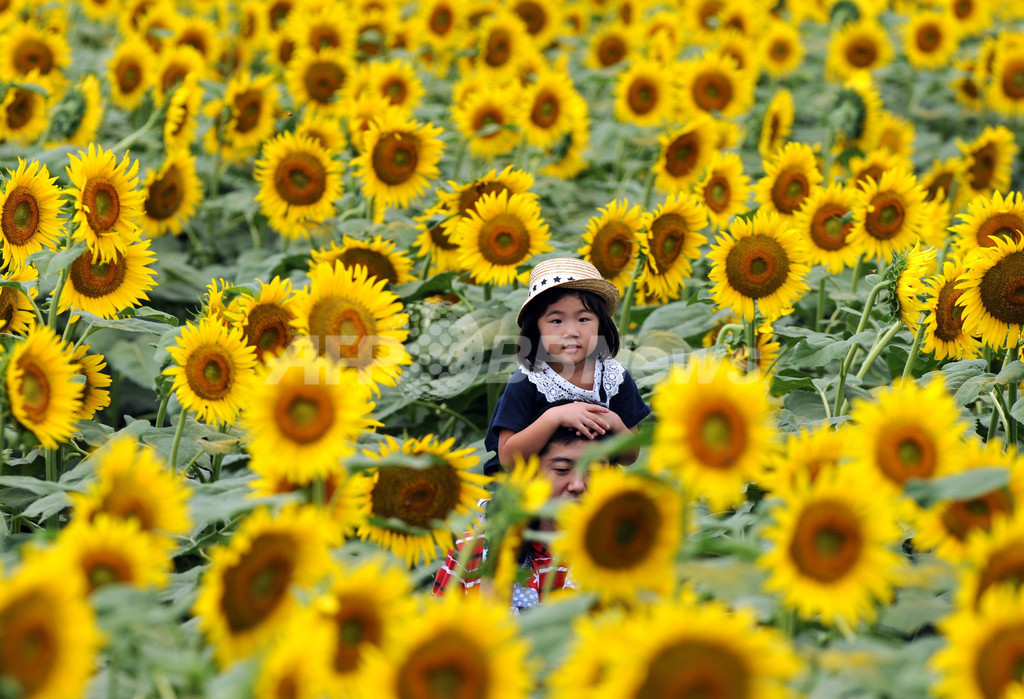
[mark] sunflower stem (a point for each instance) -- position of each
(131, 138)
(627, 302)
(819, 314)
(648, 188)
(1000, 409)
(51, 316)
(460, 155)
(487, 292)
(914, 350)
(856, 274)
(162, 410)
(182, 417)
(51, 476)
(751, 344)
(844, 368)
(1011, 394)
(318, 490)
(876, 350)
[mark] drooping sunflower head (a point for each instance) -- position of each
(777, 125)
(906, 277)
(760, 261)
(422, 498)
(182, 111)
(673, 238)
(95, 396)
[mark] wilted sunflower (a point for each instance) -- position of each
(612, 242)
(364, 605)
(244, 117)
(304, 417)
(777, 125)
(24, 113)
(490, 119)
(930, 39)
(130, 74)
(714, 430)
(715, 85)
(673, 238)
(106, 200)
(378, 255)
(894, 441)
(791, 175)
(30, 48)
(889, 214)
(43, 395)
(299, 183)
(29, 209)
(685, 648)
(95, 395)
(761, 261)
(553, 108)
(990, 160)
(685, 152)
(782, 50)
(399, 159)
(48, 634)
(832, 556)
(501, 233)
(625, 529)
(441, 653)
(989, 218)
(723, 189)
(17, 313)
(862, 44)
(944, 335)
(181, 123)
(317, 79)
(983, 648)
(644, 94)
(992, 302)
(948, 525)
(133, 482)
(354, 321)
(172, 194)
(823, 224)
(421, 498)
(250, 588)
(213, 371)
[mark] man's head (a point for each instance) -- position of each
(558, 463)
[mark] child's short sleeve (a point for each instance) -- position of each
(628, 403)
(515, 410)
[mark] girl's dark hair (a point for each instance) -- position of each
(529, 335)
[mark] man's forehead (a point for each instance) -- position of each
(565, 452)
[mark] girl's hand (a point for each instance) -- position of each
(587, 419)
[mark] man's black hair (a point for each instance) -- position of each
(529, 345)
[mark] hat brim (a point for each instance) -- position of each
(603, 288)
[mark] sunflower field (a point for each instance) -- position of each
(261, 266)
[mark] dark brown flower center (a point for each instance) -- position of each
(983, 169)
(102, 205)
(248, 108)
(30, 649)
(417, 496)
(498, 48)
(440, 21)
(756, 266)
(1004, 566)
(696, 668)
(300, 179)
(862, 52)
(19, 219)
(256, 585)
(34, 389)
(358, 621)
(33, 54)
(395, 157)
(22, 108)
(210, 372)
(377, 264)
(611, 50)
(906, 451)
(97, 279)
(789, 190)
(682, 154)
(545, 109)
(827, 228)
(712, 91)
(128, 74)
(324, 80)
(948, 315)
(166, 194)
(533, 14)
(623, 532)
(718, 434)
(668, 233)
(504, 240)
(268, 329)
(342, 329)
(999, 661)
(1002, 289)
(1000, 225)
(448, 664)
(1013, 79)
(304, 414)
(887, 218)
(962, 517)
(642, 96)
(612, 247)
(827, 541)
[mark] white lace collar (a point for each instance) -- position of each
(608, 374)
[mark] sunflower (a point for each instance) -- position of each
(791, 175)
(832, 551)
(807, 453)
(723, 189)
(644, 94)
(990, 160)
(777, 125)
(364, 606)
(713, 84)
(570, 151)
(434, 242)
(106, 200)
(397, 81)
(988, 218)
(685, 152)
(17, 313)
(895, 441)
(317, 79)
(133, 482)
(491, 119)
(888, 215)
(251, 587)
(175, 65)
(965, 86)
(862, 44)
(875, 164)
(714, 429)
(930, 39)
(685, 648)
(671, 241)
(40, 388)
(299, 183)
(861, 100)
(625, 529)
(24, 114)
(612, 242)
(296, 664)
(304, 417)
(48, 634)
(760, 261)
(440, 654)
(213, 371)
(894, 134)
(172, 194)
(948, 525)
(463, 198)
(945, 176)
(399, 159)
(181, 123)
(323, 129)
(440, 23)
(820, 222)
(244, 117)
(422, 499)
(29, 208)
(503, 232)
(553, 108)
(379, 257)
(90, 367)
(345, 497)
(1005, 90)
(991, 558)
(29, 48)
(265, 318)
(992, 307)
(944, 335)
(766, 351)
(781, 49)
(611, 44)
(106, 288)
(911, 270)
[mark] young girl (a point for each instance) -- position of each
(567, 341)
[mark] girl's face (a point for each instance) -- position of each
(568, 331)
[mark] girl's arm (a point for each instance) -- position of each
(588, 419)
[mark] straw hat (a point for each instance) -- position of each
(569, 273)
